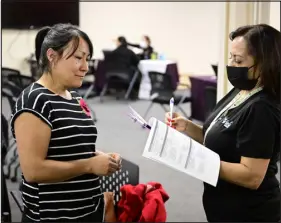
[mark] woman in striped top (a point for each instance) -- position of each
(56, 136)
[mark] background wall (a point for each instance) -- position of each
(275, 14)
(187, 32)
(16, 46)
(233, 15)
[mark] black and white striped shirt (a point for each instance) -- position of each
(73, 137)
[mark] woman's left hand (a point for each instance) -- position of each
(116, 156)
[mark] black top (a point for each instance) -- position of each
(121, 59)
(251, 129)
(146, 54)
(73, 137)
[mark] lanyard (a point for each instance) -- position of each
(231, 104)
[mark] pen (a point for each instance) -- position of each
(144, 125)
(171, 109)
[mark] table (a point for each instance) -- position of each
(163, 66)
(198, 85)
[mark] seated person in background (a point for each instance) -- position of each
(122, 60)
(145, 45)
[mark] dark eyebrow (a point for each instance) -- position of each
(88, 54)
(235, 55)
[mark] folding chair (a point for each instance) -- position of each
(22, 81)
(119, 75)
(129, 174)
(162, 91)
(117, 80)
(5, 207)
(11, 91)
(5, 72)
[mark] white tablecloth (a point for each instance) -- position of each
(146, 66)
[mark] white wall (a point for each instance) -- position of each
(16, 46)
(187, 32)
(235, 14)
(275, 15)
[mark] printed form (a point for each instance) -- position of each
(176, 150)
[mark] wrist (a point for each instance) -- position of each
(86, 165)
(188, 126)
(98, 152)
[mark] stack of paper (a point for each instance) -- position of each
(178, 151)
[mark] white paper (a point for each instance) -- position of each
(178, 151)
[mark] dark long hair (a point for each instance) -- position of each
(58, 37)
(264, 44)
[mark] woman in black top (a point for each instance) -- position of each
(146, 47)
(56, 136)
(244, 129)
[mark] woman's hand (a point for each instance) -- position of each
(178, 122)
(118, 159)
(103, 164)
(110, 215)
(116, 156)
(186, 126)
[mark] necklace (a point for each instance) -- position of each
(236, 101)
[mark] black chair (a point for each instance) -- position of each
(162, 91)
(20, 80)
(119, 75)
(5, 72)
(4, 137)
(210, 100)
(119, 81)
(6, 215)
(129, 174)
(11, 91)
(13, 162)
(5, 207)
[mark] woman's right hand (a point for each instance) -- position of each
(178, 122)
(186, 126)
(103, 165)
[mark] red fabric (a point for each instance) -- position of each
(142, 203)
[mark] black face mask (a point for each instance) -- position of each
(238, 77)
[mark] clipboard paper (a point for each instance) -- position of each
(178, 151)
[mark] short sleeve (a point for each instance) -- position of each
(256, 136)
(37, 104)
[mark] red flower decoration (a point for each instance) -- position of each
(85, 107)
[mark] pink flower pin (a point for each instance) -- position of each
(85, 107)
